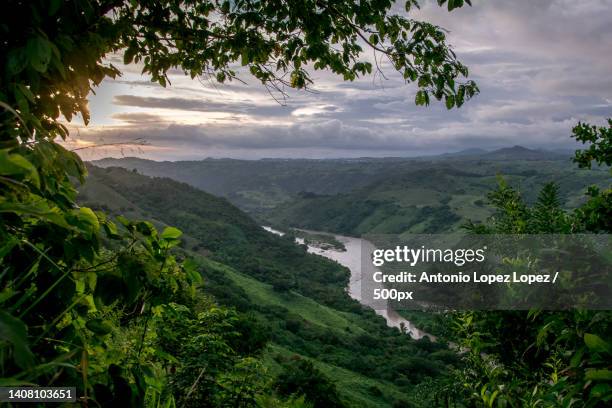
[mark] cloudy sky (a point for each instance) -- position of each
(541, 66)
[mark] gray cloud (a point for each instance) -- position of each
(200, 105)
(334, 138)
(168, 103)
(541, 66)
(138, 117)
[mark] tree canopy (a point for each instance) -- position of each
(542, 357)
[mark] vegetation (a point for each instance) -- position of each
(218, 230)
(323, 241)
(119, 308)
(542, 358)
(539, 358)
(301, 377)
(97, 303)
(360, 196)
(528, 358)
(295, 300)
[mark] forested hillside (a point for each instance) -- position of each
(294, 302)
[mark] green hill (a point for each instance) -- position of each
(297, 299)
(432, 197)
(390, 195)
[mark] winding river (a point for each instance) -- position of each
(351, 258)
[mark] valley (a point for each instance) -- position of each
(308, 304)
(391, 195)
(296, 301)
(350, 256)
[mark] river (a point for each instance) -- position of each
(351, 258)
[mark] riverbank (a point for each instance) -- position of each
(351, 258)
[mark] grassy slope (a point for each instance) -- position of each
(263, 294)
(354, 387)
(222, 231)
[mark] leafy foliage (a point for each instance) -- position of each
(277, 42)
(52, 56)
(68, 299)
(301, 377)
(600, 140)
(207, 365)
(541, 358)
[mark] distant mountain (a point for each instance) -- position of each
(466, 152)
(565, 152)
(253, 185)
(522, 153)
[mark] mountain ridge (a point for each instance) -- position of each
(474, 151)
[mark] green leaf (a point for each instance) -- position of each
(129, 54)
(191, 269)
(54, 7)
(460, 96)
(450, 102)
(7, 246)
(39, 52)
(22, 102)
(26, 92)
(16, 61)
(99, 326)
(421, 98)
(86, 221)
(111, 229)
(13, 382)
(15, 332)
(146, 228)
(15, 164)
(124, 221)
(170, 233)
(165, 356)
(577, 357)
(596, 343)
(35, 207)
(6, 294)
(600, 390)
(601, 375)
